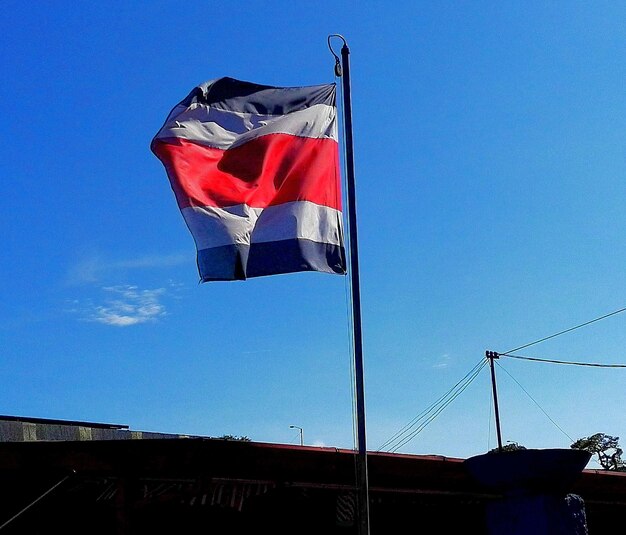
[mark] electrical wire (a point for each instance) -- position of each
(571, 363)
(565, 331)
(436, 410)
(419, 422)
(422, 414)
(417, 431)
(534, 401)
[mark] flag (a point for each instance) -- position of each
(255, 172)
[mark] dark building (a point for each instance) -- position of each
(108, 479)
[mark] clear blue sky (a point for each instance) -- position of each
(490, 165)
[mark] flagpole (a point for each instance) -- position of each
(362, 479)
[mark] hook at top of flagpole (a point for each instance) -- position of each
(338, 69)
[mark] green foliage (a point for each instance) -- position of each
(510, 446)
(606, 448)
(235, 437)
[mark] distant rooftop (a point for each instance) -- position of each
(52, 421)
(30, 429)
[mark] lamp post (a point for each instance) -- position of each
(301, 433)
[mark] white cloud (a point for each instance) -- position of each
(256, 351)
(150, 261)
(93, 267)
(443, 362)
(129, 305)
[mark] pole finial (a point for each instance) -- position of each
(338, 69)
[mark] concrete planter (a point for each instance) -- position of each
(549, 470)
(534, 485)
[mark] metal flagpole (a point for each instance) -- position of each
(362, 480)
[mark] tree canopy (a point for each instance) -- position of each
(606, 448)
(235, 437)
(510, 446)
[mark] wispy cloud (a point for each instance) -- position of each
(94, 267)
(151, 261)
(122, 306)
(442, 362)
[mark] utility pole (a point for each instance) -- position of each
(492, 355)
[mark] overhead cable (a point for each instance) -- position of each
(571, 363)
(406, 428)
(534, 401)
(417, 424)
(565, 331)
(439, 410)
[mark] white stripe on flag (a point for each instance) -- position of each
(315, 122)
(299, 219)
(222, 129)
(240, 224)
(213, 227)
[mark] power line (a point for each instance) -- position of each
(571, 363)
(563, 332)
(398, 434)
(534, 401)
(417, 431)
(414, 427)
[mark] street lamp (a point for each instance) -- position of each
(301, 433)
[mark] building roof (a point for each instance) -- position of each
(101, 464)
(312, 467)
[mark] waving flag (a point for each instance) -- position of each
(255, 172)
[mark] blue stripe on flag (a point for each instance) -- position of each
(238, 262)
(290, 256)
(223, 263)
(246, 97)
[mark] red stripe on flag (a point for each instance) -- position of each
(266, 171)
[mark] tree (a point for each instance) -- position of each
(234, 437)
(510, 446)
(606, 448)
